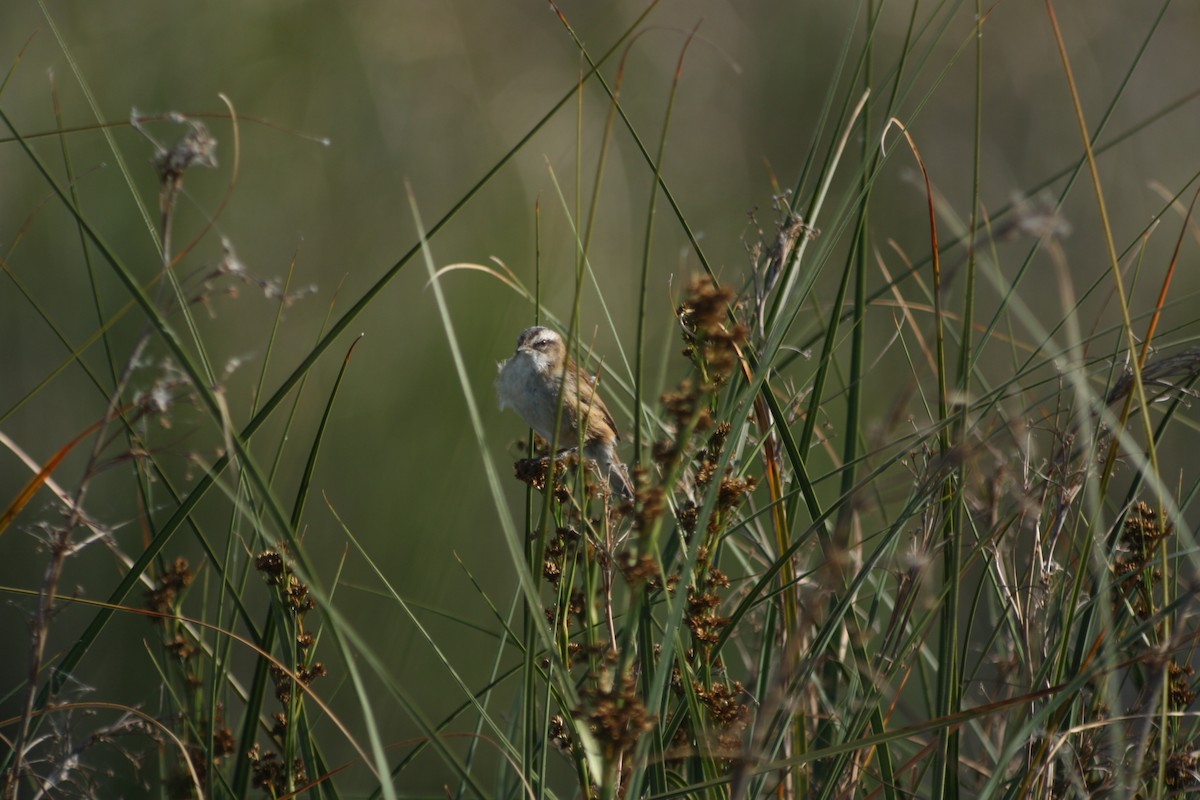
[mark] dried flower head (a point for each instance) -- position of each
(163, 596)
(196, 148)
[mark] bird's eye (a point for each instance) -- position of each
(541, 344)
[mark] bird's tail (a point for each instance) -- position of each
(618, 480)
(613, 471)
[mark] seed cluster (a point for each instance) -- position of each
(270, 771)
(1133, 566)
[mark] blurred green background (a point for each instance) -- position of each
(434, 93)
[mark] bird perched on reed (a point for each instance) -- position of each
(537, 378)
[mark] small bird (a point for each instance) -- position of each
(532, 382)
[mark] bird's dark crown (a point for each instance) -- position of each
(538, 338)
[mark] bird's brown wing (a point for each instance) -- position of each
(593, 410)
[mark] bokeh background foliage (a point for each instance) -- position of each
(339, 105)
